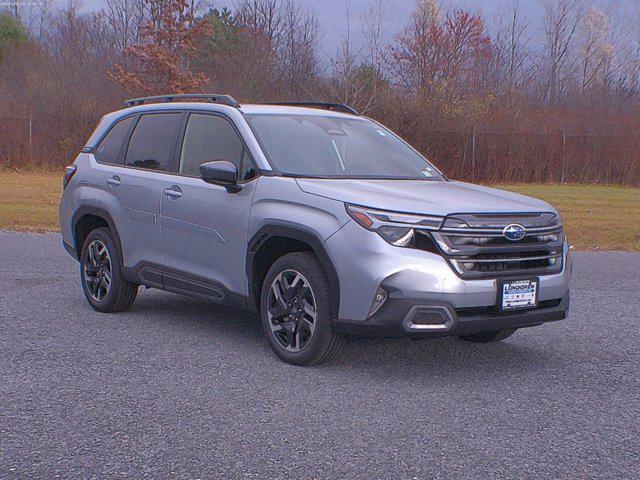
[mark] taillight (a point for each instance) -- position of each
(70, 171)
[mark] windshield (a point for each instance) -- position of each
(337, 147)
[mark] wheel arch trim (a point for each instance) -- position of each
(298, 233)
(106, 216)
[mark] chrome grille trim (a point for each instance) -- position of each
(507, 260)
(488, 254)
(496, 231)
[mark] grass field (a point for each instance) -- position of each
(29, 201)
(596, 217)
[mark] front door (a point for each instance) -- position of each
(204, 227)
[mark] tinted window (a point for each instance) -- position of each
(107, 151)
(209, 138)
(153, 140)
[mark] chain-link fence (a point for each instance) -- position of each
(16, 140)
(33, 142)
(493, 156)
(474, 155)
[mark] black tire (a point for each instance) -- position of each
(120, 294)
(489, 337)
(323, 342)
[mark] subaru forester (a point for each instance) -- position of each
(320, 219)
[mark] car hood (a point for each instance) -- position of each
(425, 197)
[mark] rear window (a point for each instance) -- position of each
(109, 148)
(153, 141)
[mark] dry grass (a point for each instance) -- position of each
(29, 201)
(596, 217)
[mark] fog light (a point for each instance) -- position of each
(378, 300)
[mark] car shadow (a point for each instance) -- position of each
(439, 357)
(187, 311)
(394, 357)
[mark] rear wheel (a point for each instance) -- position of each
(295, 307)
(489, 337)
(104, 286)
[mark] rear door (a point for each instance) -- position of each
(136, 183)
(204, 227)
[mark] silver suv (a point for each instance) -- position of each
(323, 221)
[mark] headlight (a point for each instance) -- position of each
(398, 236)
(396, 228)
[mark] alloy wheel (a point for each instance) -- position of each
(291, 310)
(97, 272)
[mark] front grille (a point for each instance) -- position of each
(507, 262)
(477, 248)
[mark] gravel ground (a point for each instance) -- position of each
(183, 388)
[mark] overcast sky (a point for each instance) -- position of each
(331, 14)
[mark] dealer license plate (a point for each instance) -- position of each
(519, 294)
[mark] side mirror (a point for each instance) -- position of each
(221, 172)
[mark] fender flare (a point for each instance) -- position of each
(98, 212)
(299, 233)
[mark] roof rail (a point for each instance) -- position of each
(212, 97)
(336, 107)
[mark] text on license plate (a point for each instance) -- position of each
(519, 294)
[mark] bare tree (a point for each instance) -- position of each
(125, 17)
(632, 47)
(261, 25)
(343, 65)
(618, 48)
(595, 52)
(297, 53)
(263, 21)
(373, 31)
(357, 69)
(512, 46)
(561, 19)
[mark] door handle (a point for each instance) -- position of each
(113, 181)
(173, 192)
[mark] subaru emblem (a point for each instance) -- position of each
(514, 232)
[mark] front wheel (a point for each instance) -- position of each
(489, 337)
(295, 306)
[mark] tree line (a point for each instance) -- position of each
(511, 98)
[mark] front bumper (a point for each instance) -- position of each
(406, 317)
(365, 262)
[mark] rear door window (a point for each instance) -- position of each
(109, 148)
(153, 141)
